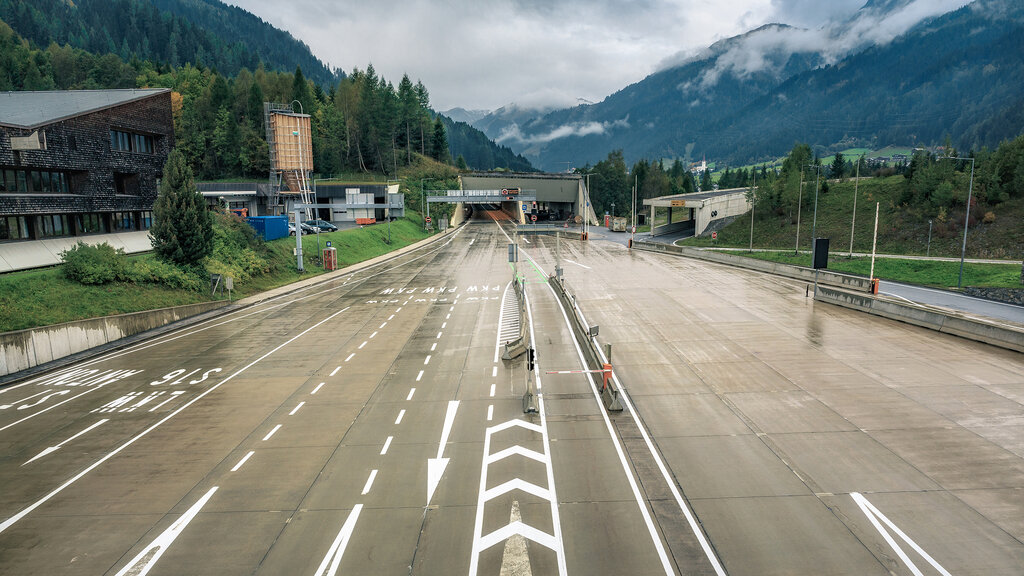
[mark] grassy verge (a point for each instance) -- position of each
(939, 274)
(44, 297)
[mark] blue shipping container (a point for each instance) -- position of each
(269, 227)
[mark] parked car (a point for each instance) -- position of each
(306, 229)
(323, 225)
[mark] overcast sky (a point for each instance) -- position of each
(483, 54)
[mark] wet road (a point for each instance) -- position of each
(367, 425)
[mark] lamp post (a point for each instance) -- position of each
(853, 219)
(928, 251)
(799, 207)
(967, 216)
(814, 222)
(753, 198)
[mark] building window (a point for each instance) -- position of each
(131, 142)
(13, 228)
(91, 223)
(127, 184)
(125, 221)
(147, 219)
(54, 225)
(33, 181)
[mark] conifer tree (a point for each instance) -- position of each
(440, 143)
(182, 229)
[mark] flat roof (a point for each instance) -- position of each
(692, 196)
(30, 110)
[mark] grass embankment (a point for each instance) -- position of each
(940, 274)
(901, 229)
(44, 297)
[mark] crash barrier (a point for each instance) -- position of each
(550, 230)
(515, 348)
(24, 349)
(856, 283)
(586, 335)
(1002, 335)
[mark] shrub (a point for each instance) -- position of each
(88, 264)
(989, 218)
(154, 271)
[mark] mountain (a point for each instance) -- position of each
(893, 72)
(463, 115)
(172, 32)
(479, 152)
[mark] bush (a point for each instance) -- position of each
(153, 271)
(989, 218)
(88, 264)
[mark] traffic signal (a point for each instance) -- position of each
(529, 359)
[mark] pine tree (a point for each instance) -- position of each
(439, 149)
(182, 229)
(838, 165)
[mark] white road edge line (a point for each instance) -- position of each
(694, 525)
(145, 560)
(648, 521)
(25, 512)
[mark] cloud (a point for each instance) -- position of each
(512, 132)
(483, 54)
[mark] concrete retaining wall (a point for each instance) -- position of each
(24, 349)
(996, 335)
(788, 270)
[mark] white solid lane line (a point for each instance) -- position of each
(329, 566)
(14, 519)
(242, 461)
(144, 561)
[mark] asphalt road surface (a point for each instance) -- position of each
(368, 426)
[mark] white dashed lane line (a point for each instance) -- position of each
(369, 482)
(350, 356)
(243, 461)
(419, 376)
(335, 371)
(411, 392)
(296, 409)
(317, 389)
(272, 432)
(401, 414)
(387, 444)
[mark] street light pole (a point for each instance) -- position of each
(799, 206)
(753, 198)
(853, 220)
(814, 221)
(967, 216)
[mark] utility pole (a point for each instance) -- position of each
(799, 205)
(856, 183)
(753, 198)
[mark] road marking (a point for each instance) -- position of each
(53, 449)
(401, 414)
(387, 444)
(397, 310)
(451, 308)
(444, 325)
(874, 515)
(494, 372)
(296, 409)
(144, 561)
(391, 317)
(577, 263)
(317, 389)
(350, 356)
(490, 412)
(411, 392)
(492, 390)
(174, 395)
(516, 559)
(51, 407)
(335, 371)
(448, 316)
(436, 466)
(329, 566)
(383, 325)
(419, 376)
(439, 335)
(666, 564)
(369, 482)
(427, 361)
(363, 344)
(372, 335)
(243, 460)
(433, 347)
(272, 432)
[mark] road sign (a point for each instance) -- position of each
(714, 235)
(533, 217)
(526, 208)
(428, 219)
(328, 243)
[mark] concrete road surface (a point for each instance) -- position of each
(368, 426)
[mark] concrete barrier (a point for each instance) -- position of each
(25, 349)
(1001, 335)
(778, 268)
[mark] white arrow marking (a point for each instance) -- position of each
(436, 466)
(43, 399)
(52, 449)
(141, 564)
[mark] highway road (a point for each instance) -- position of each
(367, 425)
